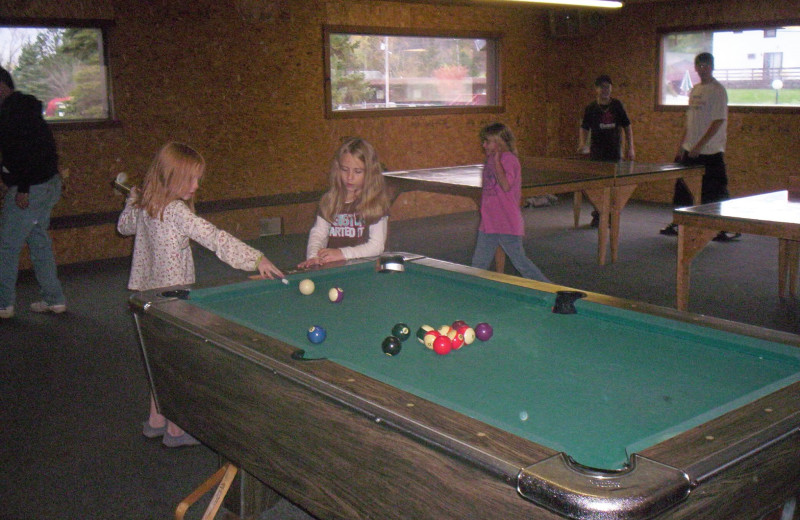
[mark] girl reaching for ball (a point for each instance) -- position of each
(353, 215)
(162, 217)
(501, 219)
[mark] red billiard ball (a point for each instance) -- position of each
(442, 345)
(483, 331)
(391, 346)
(468, 333)
(457, 340)
(458, 324)
(430, 337)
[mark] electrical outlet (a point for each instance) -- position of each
(270, 226)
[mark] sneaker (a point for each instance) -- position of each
(7, 312)
(178, 441)
(43, 306)
(671, 230)
(724, 236)
(151, 432)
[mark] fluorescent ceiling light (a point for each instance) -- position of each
(583, 3)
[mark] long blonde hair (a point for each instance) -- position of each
(170, 175)
(373, 203)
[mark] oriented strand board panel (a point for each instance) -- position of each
(242, 81)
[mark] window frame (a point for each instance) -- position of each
(735, 26)
(104, 26)
(493, 72)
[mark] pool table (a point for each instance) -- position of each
(618, 410)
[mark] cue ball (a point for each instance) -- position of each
(336, 294)
(306, 287)
(523, 415)
(391, 346)
(401, 331)
(483, 331)
(316, 334)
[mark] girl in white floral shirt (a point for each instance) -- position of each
(162, 217)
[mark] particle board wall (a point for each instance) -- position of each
(242, 82)
(762, 147)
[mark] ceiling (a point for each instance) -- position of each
(509, 2)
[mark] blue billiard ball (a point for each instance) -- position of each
(316, 334)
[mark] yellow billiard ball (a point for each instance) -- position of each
(306, 287)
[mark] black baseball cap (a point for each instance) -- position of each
(604, 78)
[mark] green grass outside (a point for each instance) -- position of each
(786, 97)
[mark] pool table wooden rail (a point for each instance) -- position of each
(343, 445)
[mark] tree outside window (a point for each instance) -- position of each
(409, 72)
(64, 67)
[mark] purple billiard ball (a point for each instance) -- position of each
(483, 331)
(336, 294)
(316, 334)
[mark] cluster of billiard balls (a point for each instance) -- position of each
(442, 341)
(317, 334)
(452, 337)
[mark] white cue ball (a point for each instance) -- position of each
(306, 287)
(523, 415)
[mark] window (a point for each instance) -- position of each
(63, 66)
(378, 72)
(758, 65)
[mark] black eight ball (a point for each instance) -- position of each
(391, 345)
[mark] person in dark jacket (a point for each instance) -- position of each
(29, 168)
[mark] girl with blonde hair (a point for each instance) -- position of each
(162, 217)
(352, 219)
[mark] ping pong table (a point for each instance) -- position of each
(769, 214)
(607, 185)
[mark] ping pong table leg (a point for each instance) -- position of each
(619, 198)
(690, 241)
(601, 199)
(788, 259)
(577, 200)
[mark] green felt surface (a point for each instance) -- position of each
(599, 385)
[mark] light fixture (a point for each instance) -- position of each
(607, 4)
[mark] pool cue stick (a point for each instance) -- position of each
(121, 183)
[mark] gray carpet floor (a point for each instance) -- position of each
(73, 392)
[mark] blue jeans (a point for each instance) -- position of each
(512, 244)
(20, 226)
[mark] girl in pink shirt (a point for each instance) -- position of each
(501, 219)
